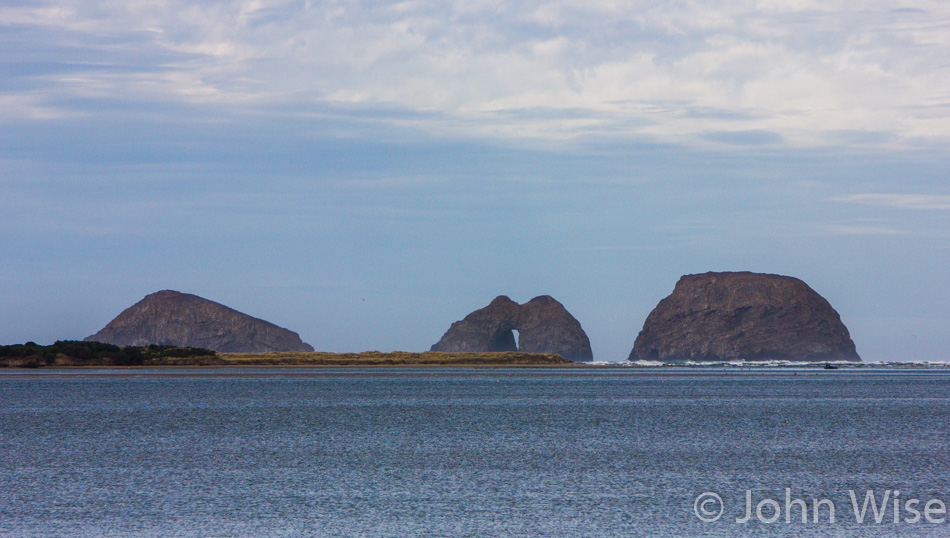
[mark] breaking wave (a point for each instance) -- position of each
(780, 364)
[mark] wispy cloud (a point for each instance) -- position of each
(862, 229)
(899, 201)
(799, 73)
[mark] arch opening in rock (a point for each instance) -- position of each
(542, 325)
(503, 340)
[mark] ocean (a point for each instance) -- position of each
(599, 453)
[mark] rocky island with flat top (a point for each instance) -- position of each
(743, 316)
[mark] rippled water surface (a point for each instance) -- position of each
(479, 453)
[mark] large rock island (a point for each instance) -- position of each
(543, 325)
(172, 318)
(743, 316)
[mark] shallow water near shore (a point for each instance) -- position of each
(480, 453)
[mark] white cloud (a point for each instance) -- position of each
(899, 201)
(16, 106)
(804, 71)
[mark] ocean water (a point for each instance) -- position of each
(474, 453)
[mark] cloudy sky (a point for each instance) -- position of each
(367, 172)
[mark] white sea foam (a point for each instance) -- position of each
(781, 364)
(906, 363)
(647, 363)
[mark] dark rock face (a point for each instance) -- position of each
(180, 319)
(543, 325)
(743, 316)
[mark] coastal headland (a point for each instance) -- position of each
(72, 354)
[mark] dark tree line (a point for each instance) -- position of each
(97, 353)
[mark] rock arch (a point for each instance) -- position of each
(543, 325)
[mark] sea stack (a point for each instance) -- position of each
(181, 319)
(743, 316)
(543, 325)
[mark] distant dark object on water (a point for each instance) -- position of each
(543, 325)
(743, 316)
(830, 367)
(181, 319)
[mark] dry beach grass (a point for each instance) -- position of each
(72, 354)
(395, 358)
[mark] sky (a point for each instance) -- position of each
(367, 172)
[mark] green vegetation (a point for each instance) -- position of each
(76, 353)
